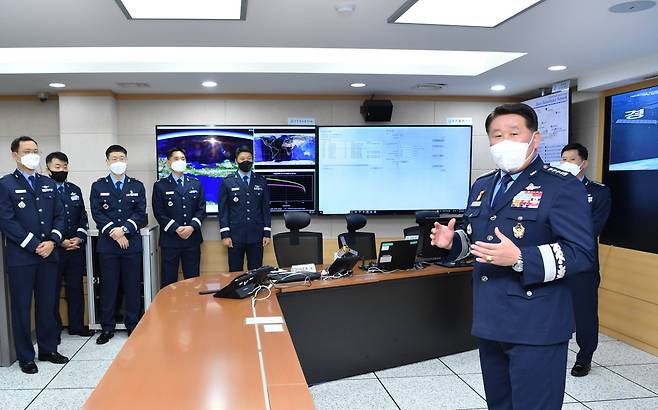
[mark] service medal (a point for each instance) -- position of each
(106, 206)
(170, 203)
(21, 204)
(469, 230)
(519, 231)
(236, 199)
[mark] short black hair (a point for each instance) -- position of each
(57, 155)
(115, 148)
(243, 148)
(16, 143)
(524, 110)
(176, 149)
(582, 151)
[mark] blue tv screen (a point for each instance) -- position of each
(285, 156)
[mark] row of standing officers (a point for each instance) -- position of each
(45, 224)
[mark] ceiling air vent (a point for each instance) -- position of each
(134, 85)
(429, 86)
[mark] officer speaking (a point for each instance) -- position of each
(244, 213)
(529, 226)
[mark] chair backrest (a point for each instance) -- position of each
(295, 248)
(362, 242)
(412, 230)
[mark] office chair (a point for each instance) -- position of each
(412, 230)
(362, 242)
(295, 247)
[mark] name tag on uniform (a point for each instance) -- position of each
(476, 203)
(75, 198)
(257, 188)
(20, 191)
(169, 193)
(527, 199)
(105, 194)
(194, 191)
(46, 190)
(235, 189)
(131, 193)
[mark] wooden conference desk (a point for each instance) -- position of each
(196, 352)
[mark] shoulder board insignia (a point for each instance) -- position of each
(555, 171)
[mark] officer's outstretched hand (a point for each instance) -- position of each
(266, 241)
(504, 253)
(442, 234)
(228, 242)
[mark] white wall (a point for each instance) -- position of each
(34, 118)
(137, 120)
(585, 128)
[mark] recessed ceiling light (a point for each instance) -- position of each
(498, 87)
(631, 6)
(185, 10)
(209, 84)
(57, 85)
(345, 8)
(475, 13)
(557, 68)
(358, 85)
(351, 61)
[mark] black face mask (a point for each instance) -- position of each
(245, 166)
(59, 176)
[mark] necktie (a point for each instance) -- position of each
(31, 179)
(501, 191)
(246, 180)
(180, 182)
(60, 189)
(118, 185)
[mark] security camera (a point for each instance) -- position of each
(43, 96)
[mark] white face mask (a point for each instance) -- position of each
(118, 168)
(179, 165)
(574, 169)
(31, 161)
(510, 155)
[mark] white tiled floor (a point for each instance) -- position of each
(60, 387)
(622, 378)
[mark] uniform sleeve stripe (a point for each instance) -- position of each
(197, 220)
(267, 228)
(224, 229)
(27, 239)
(58, 233)
(550, 270)
(82, 231)
(134, 224)
(107, 226)
(171, 222)
(466, 248)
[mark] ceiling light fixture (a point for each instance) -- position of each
(474, 13)
(557, 68)
(631, 6)
(184, 10)
(350, 61)
(345, 9)
(358, 85)
(57, 85)
(209, 84)
(498, 87)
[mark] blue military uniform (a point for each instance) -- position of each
(244, 216)
(112, 208)
(524, 320)
(29, 215)
(585, 287)
(72, 263)
(174, 205)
